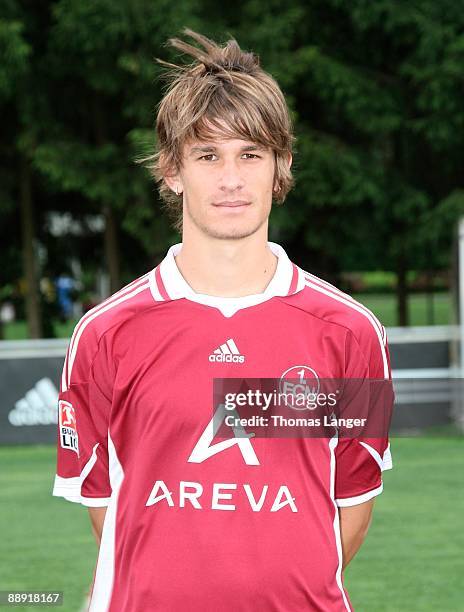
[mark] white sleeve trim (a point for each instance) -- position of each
(95, 502)
(385, 462)
(70, 489)
(387, 459)
(90, 463)
(359, 499)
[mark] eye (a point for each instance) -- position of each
(209, 155)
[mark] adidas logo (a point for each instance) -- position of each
(227, 353)
(37, 407)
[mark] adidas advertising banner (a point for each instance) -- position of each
(29, 399)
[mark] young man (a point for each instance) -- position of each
(188, 522)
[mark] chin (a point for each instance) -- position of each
(228, 229)
(231, 232)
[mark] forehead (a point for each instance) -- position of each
(221, 143)
(218, 135)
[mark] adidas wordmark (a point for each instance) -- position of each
(227, 353)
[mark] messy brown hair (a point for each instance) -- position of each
(224, 88)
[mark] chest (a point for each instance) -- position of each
(166, 370)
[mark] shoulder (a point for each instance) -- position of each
(93, 325)
(327, 302)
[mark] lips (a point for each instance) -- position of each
(233, 204)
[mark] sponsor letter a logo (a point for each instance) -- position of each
(68, 429)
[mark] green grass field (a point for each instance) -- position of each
(384, 307)
(412, 559)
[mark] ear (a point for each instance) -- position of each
(174, 183)
(172, 178)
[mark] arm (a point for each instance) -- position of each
(354, 525)
(97, 518)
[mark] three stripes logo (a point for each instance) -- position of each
(227, 353)
(37, 407)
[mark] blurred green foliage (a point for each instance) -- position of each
(375, 90)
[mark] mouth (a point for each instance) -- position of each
(232, 204)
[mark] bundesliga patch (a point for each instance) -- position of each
(68, 429)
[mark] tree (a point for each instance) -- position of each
(16, 77)
(375, 91)
(100, 56)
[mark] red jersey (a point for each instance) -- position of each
(194, 523)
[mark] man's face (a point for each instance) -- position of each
(227, 187)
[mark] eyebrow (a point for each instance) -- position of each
(212, 149)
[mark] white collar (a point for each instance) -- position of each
(167, 283)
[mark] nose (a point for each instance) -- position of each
(231, 178)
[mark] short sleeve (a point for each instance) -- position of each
(82, 473)
(360, 462)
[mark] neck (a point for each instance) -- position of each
(227, 268)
